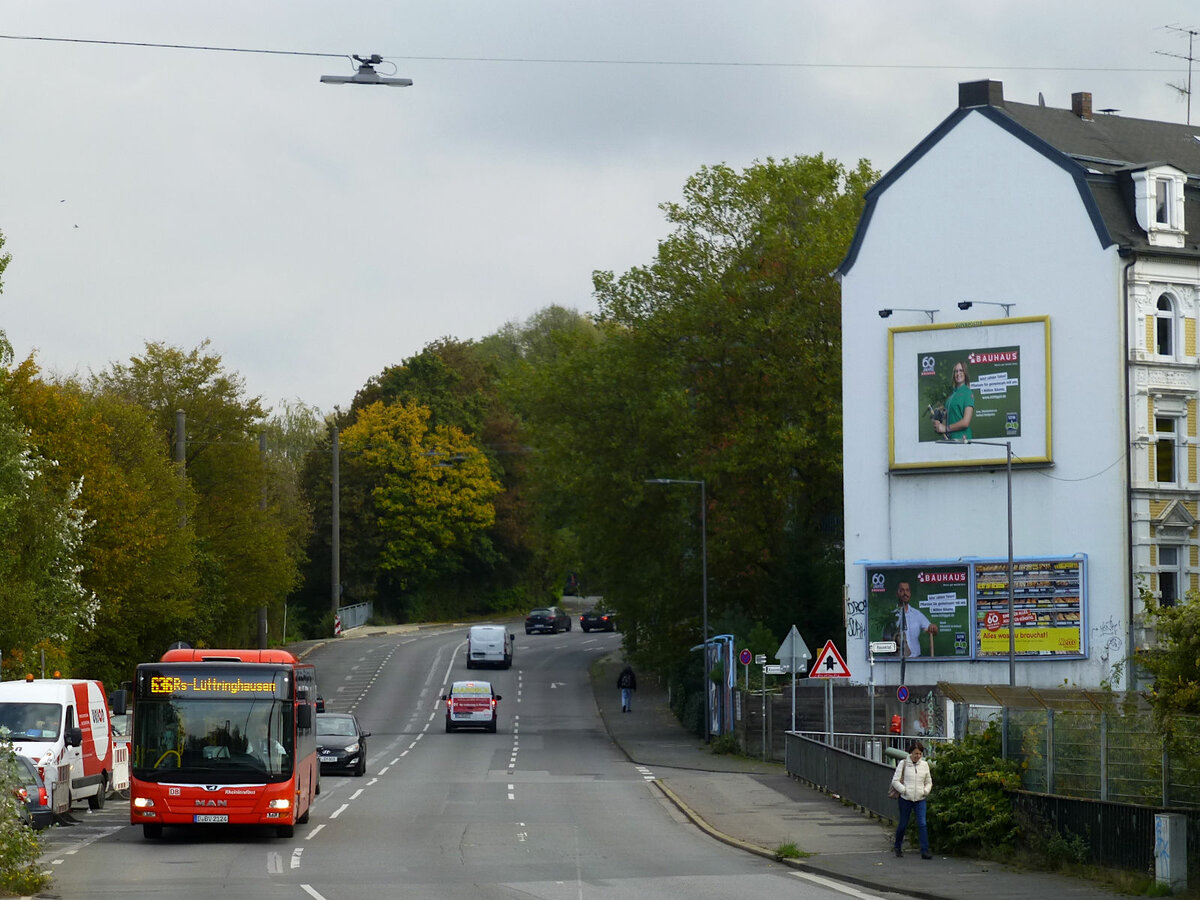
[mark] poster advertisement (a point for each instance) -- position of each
(941, 611)
(1047, 606)
(959, 393)
(987, 382)
(923, 609)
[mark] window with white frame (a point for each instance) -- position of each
(1164, 326)
(1166, 449)
(1164, 202)
(1169, 576)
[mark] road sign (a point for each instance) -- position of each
(745, 656)
(793, 650)
(902, 694)
(760, 658)
(774, 670)
(883, 646)
(829, 664)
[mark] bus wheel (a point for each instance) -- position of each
(97, 800)
(285, 831)
(151, 832)
(303, 820)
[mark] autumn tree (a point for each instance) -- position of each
(430, 495)
(248, 544)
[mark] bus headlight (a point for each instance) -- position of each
(281, 803)
(142, 803)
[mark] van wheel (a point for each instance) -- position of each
(151, 832)
(97, 800)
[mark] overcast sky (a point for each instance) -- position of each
(317, 234)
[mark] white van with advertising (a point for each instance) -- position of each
(63, 722)
(489, 645)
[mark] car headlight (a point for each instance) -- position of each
(353, 748)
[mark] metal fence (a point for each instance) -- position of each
(355, 615)
(859, 780)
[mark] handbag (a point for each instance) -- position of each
(894, 794)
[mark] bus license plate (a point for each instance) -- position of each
(210, 820)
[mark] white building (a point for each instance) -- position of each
(1067, 232)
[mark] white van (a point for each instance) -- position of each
(63, 722)
(489, 645)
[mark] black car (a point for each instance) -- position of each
(341, 743)
(31, 792)
(547, 619)
(598, 619)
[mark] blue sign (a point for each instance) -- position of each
(902, 694)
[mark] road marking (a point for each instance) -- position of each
(394, 761)
(296, 857)
(382, 771)
(313, 832)
(341, 809)
(356, 794)
(311, 891)
(274, 863)
(835, 886)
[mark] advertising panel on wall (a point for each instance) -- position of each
(986, 381)
(941, 610)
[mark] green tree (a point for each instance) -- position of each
(1173, 659)
(718, 361)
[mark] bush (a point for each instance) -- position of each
(20, 846)
(969, 810)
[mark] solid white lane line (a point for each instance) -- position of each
(835, 886)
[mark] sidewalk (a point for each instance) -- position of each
(758, 807)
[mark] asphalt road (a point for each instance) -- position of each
(547, 807)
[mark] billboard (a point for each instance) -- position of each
(937, 610)
(970, 381)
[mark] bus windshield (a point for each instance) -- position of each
(213, 740)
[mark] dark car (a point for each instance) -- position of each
(598, 619)
(31, 792)
(545, 619)
(341, 743)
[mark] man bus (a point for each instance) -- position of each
(223, 737)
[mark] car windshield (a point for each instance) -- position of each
(540, 612)
(336, 725)
(29, 721)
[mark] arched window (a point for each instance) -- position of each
(1164, 326)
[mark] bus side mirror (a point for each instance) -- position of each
(320, 704)
(304, 716)
(118, 701)
(74, 737)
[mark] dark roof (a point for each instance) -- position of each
(1099, 152)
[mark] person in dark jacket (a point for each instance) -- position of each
(627, 682)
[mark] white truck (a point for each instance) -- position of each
(64, 725)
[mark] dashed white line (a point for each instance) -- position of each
(341, 809)
(313, 832)
(311, 891)
(296, 857)
(356, 794)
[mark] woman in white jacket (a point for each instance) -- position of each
(913, 783)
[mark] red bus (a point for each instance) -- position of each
(223, 737)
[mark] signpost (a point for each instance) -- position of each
(760, 659)
(880, 647)
(744, 658)
(793, 652)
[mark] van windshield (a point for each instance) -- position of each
(30, 721)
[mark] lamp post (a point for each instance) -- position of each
(703, 583)
(1012, 625)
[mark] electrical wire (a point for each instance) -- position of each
(684, 63)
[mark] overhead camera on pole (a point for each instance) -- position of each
(366, 74)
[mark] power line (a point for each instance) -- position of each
(531, 60)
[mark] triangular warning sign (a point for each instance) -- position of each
(829, 664)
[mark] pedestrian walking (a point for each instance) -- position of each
(912, 784)
(627, 682)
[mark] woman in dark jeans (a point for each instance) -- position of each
(912, 782)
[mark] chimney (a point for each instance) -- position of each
(1081, 105)
(980, 93)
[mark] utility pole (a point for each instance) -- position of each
(1186, 91)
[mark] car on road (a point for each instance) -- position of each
(31, 792)
(547, 619)
(341, 743)
(471, 704)
(598, 619)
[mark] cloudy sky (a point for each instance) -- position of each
(318, 234)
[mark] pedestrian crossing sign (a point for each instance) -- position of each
(829, 663)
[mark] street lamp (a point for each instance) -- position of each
(885, 313)
(967, 304)
(1012, 625)
(703, 583)
(366, 74)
